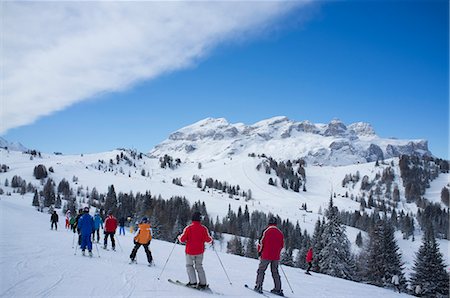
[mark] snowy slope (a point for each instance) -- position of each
(38, 262)
(240, 170)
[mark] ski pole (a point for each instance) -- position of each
(176, 240)
(73, 239)
(96, 246)
(286, 279)
(222, 265)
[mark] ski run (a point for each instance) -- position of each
(39, 262)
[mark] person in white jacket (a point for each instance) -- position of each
(396, 282)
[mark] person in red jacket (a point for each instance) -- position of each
(195, 236)
(269, 247)
(110, 229)
(309, 258)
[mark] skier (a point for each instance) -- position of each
(68, 219)
(122, 225)
(418, 291)
(98, 222)
(395, 281)
(195, 236)
(269, 248)
(75, 226)
(54, 220)
(86, 226)
(110, 229)
(309, 258)
(142, 237)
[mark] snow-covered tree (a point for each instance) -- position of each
(36, 199)
(49, 193)
(429, 268)
(111, 200)
(287, 258)
(317, 243)
(383, 256)
(335, 257)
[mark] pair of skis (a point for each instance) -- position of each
(205, 290)
(264, 293)
(152, 264)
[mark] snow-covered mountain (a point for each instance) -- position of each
(327, 144)
(15, 146)
(214, 149)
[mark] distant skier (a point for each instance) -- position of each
(98, 222)
(396, 282)
(86, 226)
(68, 219)
(110, 230)
(54, 220)
(75, 226)
(269, 247)
(195, 236)
(143, 236)
(418, 291)
(309, 258)
(122, 225)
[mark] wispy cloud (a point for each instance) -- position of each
(56, 54)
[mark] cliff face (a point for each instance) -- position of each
(330, 144)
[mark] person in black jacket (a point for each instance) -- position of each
(54, 220)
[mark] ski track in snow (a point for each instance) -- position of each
(41, 263)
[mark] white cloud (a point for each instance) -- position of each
(55, 54)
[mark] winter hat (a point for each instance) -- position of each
(110, 212)
(86, 209)
(196, 216)
(144, 219)
(273, 220)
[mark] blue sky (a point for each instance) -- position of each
(382, 62)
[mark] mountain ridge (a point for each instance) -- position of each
(329, 144)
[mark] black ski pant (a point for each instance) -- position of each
(98, 235)
(55, 223)
(113, 242)
(147, 251)
(309, 267)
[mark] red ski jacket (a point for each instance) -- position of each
(271, 243)
(110, 224)
(195, 235)
(309, 255)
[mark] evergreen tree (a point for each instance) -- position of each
(40, 172)
(335, 257)
(429, 268)
(287, 258)
(359, 240)
(58, 202)
(234, 246)
(156, 227)
(111, 200)
(383, 256)
(49, 193)
(317, 242)
(445, 196)
(250, 247)
(36, 199)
